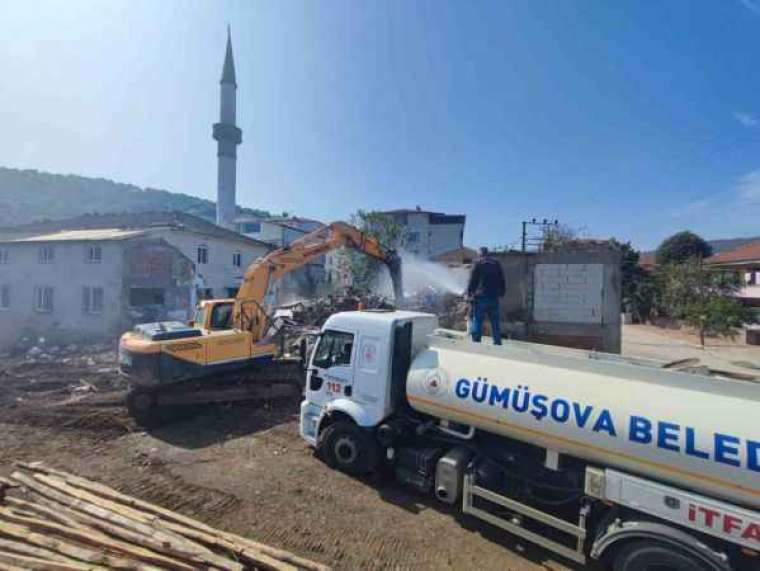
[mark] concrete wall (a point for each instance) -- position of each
(155, 264)
(219, 274)
(431, 239)
(444, 238)
(272, 233)
(563, 298)
(416, 227)
(67, 275)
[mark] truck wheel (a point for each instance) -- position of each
(348, 448)
(143, 407)
(647, 555)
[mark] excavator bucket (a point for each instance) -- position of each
(393, 261)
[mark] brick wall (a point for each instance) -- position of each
(568, 293)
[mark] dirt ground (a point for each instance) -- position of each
(242, 468)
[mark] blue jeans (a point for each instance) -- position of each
(482, 307)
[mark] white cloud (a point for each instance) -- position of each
(751, 5)
(741, 199)
(748, 188)
(747, 119)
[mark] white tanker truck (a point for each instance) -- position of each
(588, 455)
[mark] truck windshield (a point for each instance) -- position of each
(334, 349)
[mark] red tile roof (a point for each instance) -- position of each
(647, 260)
(745, 253)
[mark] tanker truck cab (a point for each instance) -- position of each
(352, 367)
(591, 456)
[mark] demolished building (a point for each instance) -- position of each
(99, 274)
(75, 284)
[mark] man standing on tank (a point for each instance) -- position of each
(485, 288)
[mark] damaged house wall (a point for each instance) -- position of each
(76, 285)
(157, 283)
(55, 290)
(221, 268)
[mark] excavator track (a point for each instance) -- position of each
(279, 379)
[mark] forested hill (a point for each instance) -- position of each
(30, 195)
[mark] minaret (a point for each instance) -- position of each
(228, 137)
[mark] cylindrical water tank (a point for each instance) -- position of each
(693, 431)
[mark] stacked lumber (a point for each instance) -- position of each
(56, 521)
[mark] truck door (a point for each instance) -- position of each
(370, 371)
(331, 374)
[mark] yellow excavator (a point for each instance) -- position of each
(229, 351)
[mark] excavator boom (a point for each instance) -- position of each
(249, 313)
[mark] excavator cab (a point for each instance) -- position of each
(214, 314)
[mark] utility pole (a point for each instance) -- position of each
(536, 240)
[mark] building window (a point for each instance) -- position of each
(413, 237)
(5, 296)
(142, 296)
(4, 255)
(46, 254)
(203, 254)
(250, 228)
(94, 254)
(237, 260)
(43, 297)
(92, 299)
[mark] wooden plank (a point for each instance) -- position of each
(26, 563)
(150, 541)
(254, 557)
(250, 555)
(99, 559)
(23, 548)
(113, 513)
(169, 515)
(133, 519)
(55, 514)
(133, 549)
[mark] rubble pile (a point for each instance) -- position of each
(55, 520)
(314, 312)
(451, 309)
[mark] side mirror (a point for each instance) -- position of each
(191, 323)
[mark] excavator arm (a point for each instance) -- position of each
(249, 313)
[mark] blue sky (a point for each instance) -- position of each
(627, 119)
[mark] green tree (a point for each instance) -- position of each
(364, 269)
(557, 237)
(703, 299)
(681, 247)
(638, 288)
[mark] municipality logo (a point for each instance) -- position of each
(436, 381)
